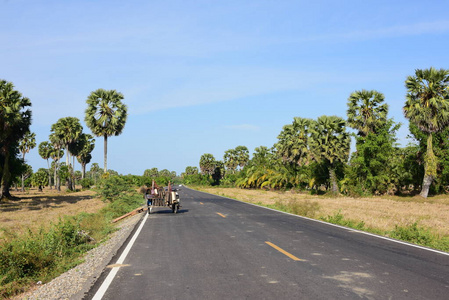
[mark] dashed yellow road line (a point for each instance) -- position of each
(221, 215)
(282, 251)
(201, 203)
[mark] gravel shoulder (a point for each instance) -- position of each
(75, 283)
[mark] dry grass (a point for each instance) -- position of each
(377, 212)
(33, 209)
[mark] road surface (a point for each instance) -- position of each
(218, 248)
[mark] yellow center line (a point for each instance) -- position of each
(221, 215)
(282, 251)
(201, 203)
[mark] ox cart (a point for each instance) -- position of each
(160, 196)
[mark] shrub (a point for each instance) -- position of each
(112, 187)
(86, 183)
(339, 219)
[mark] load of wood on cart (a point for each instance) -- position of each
(160, 196)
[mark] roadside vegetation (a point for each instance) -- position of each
(313, 155)
(55, 239)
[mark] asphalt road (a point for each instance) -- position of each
(218, 248)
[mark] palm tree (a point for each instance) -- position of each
(68, 131)
(427, 105)
(366, 111)
(294, 140)
(15, 120)
(83, 148)
(56, 156)
(330, 144)
(106, 116)
(45, 150)
(191, 170)
(230, 160)
(207, 164)
(27, 143)
(242, 154)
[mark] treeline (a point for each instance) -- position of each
(105, 116)
(315, 155)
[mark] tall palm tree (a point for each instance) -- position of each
(15, 121)
(207, 164)
(427, 105)
(68, 131)
(366, 111)
(293, 141)
(106, 116)
(330, 143)
(242, 156)
(26, 143)
(56, 156)
(45, 150)
(230, 160)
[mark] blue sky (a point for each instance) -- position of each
(206, 76)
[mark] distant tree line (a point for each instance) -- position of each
(315, 154)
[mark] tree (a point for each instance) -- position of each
(39, 179)
(242, 156)
(427, 105)
(207, 164)
(230, 160)
(95, 172)
(330, 144)
(68, 131)
(15, 120)
(366, 111)
(45, 149)
(84, 147)
(56, 156)
(372, 167)
(153, 172)
(106, 116)
(164, 173)
(191, 170)
(293, 142)
(27, 143)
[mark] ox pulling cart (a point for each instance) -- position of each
(159, 196)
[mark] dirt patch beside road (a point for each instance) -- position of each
(33, 209)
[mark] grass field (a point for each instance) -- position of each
(33, 209)
(382, 213)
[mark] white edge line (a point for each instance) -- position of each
(105, 285)
(338, 226)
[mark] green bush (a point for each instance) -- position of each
(86, 183)
(112, 187)
(40, 255)
(339, 219)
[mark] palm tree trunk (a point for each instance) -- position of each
(49, 175)
(73, 174)
(333, 179)
(23, 179)
(105, 153)
(83, 172)
(4, 189)
(430, 168)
